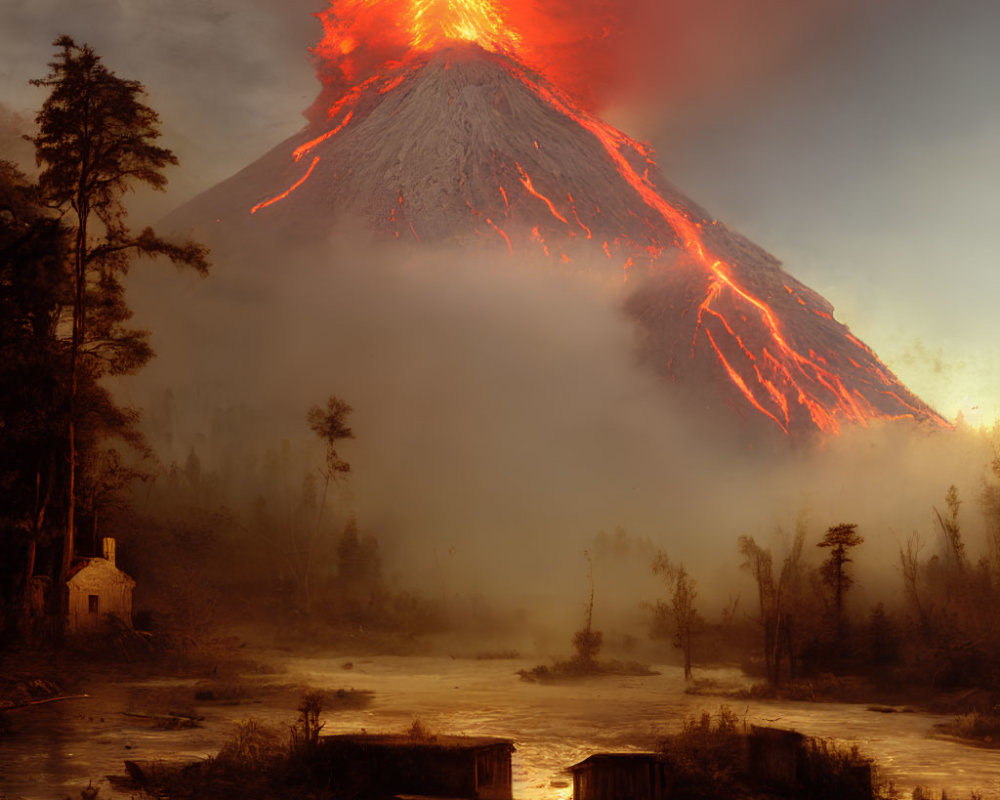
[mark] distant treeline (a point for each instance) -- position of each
(937, 625)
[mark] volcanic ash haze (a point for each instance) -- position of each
(464, 146)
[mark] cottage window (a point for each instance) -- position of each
(93, 603)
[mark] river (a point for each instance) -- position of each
(51, 751)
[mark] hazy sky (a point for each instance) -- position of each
(859, 145)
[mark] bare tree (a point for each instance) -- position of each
(685, 619)
(955, 547)
(909, 562)
(990, 500)
(757, 561)
(330, 425)
(587, 641)
(777, 600)
(789, 601)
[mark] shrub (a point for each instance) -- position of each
(254, 747)
(706, 757)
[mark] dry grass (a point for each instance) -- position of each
(706, 754)
(980, 727)
(713, 756)
(576, 668)
(923, 793)
(253, 746)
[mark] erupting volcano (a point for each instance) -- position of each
(445, 121)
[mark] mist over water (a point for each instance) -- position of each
(551, 726)
(502, 422)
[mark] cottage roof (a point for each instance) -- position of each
(96, 572)
(403, 741)
(598, 758)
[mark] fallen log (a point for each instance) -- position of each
(170, 721)
(42, 701)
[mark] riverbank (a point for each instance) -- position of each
(876, 695)
(54, 750)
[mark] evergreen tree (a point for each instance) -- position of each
(330, 425)
(96, 141)
(840, 539)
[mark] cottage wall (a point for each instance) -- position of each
(776, 755)
(377, 766)
(637, 776)
(97, 590)
(493, 779)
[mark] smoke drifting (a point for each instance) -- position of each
(502, 423)
(13, 147)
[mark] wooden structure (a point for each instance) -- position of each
(776, 757)
(764, 760)
(382, 766)
(621, 776)
(97, 590)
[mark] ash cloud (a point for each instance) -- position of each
(686, 58)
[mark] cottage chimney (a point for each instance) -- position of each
(109, 550)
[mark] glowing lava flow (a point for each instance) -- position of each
(529, 186)
(287, 191)
(687, 231)
(421, 27)
(301, 150)
(371, 47)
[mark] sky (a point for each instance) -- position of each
(856, 141)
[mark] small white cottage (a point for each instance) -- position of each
(97, 588)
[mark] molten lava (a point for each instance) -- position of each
(437, 122)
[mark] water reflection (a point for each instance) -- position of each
(53, 750)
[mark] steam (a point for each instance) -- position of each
(13, 147)
(502, 424)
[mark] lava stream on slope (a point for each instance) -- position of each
(452, 139)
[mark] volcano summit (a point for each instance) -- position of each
(457, 141)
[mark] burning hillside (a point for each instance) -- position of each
(434, 127)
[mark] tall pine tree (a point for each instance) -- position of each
(96, 141)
